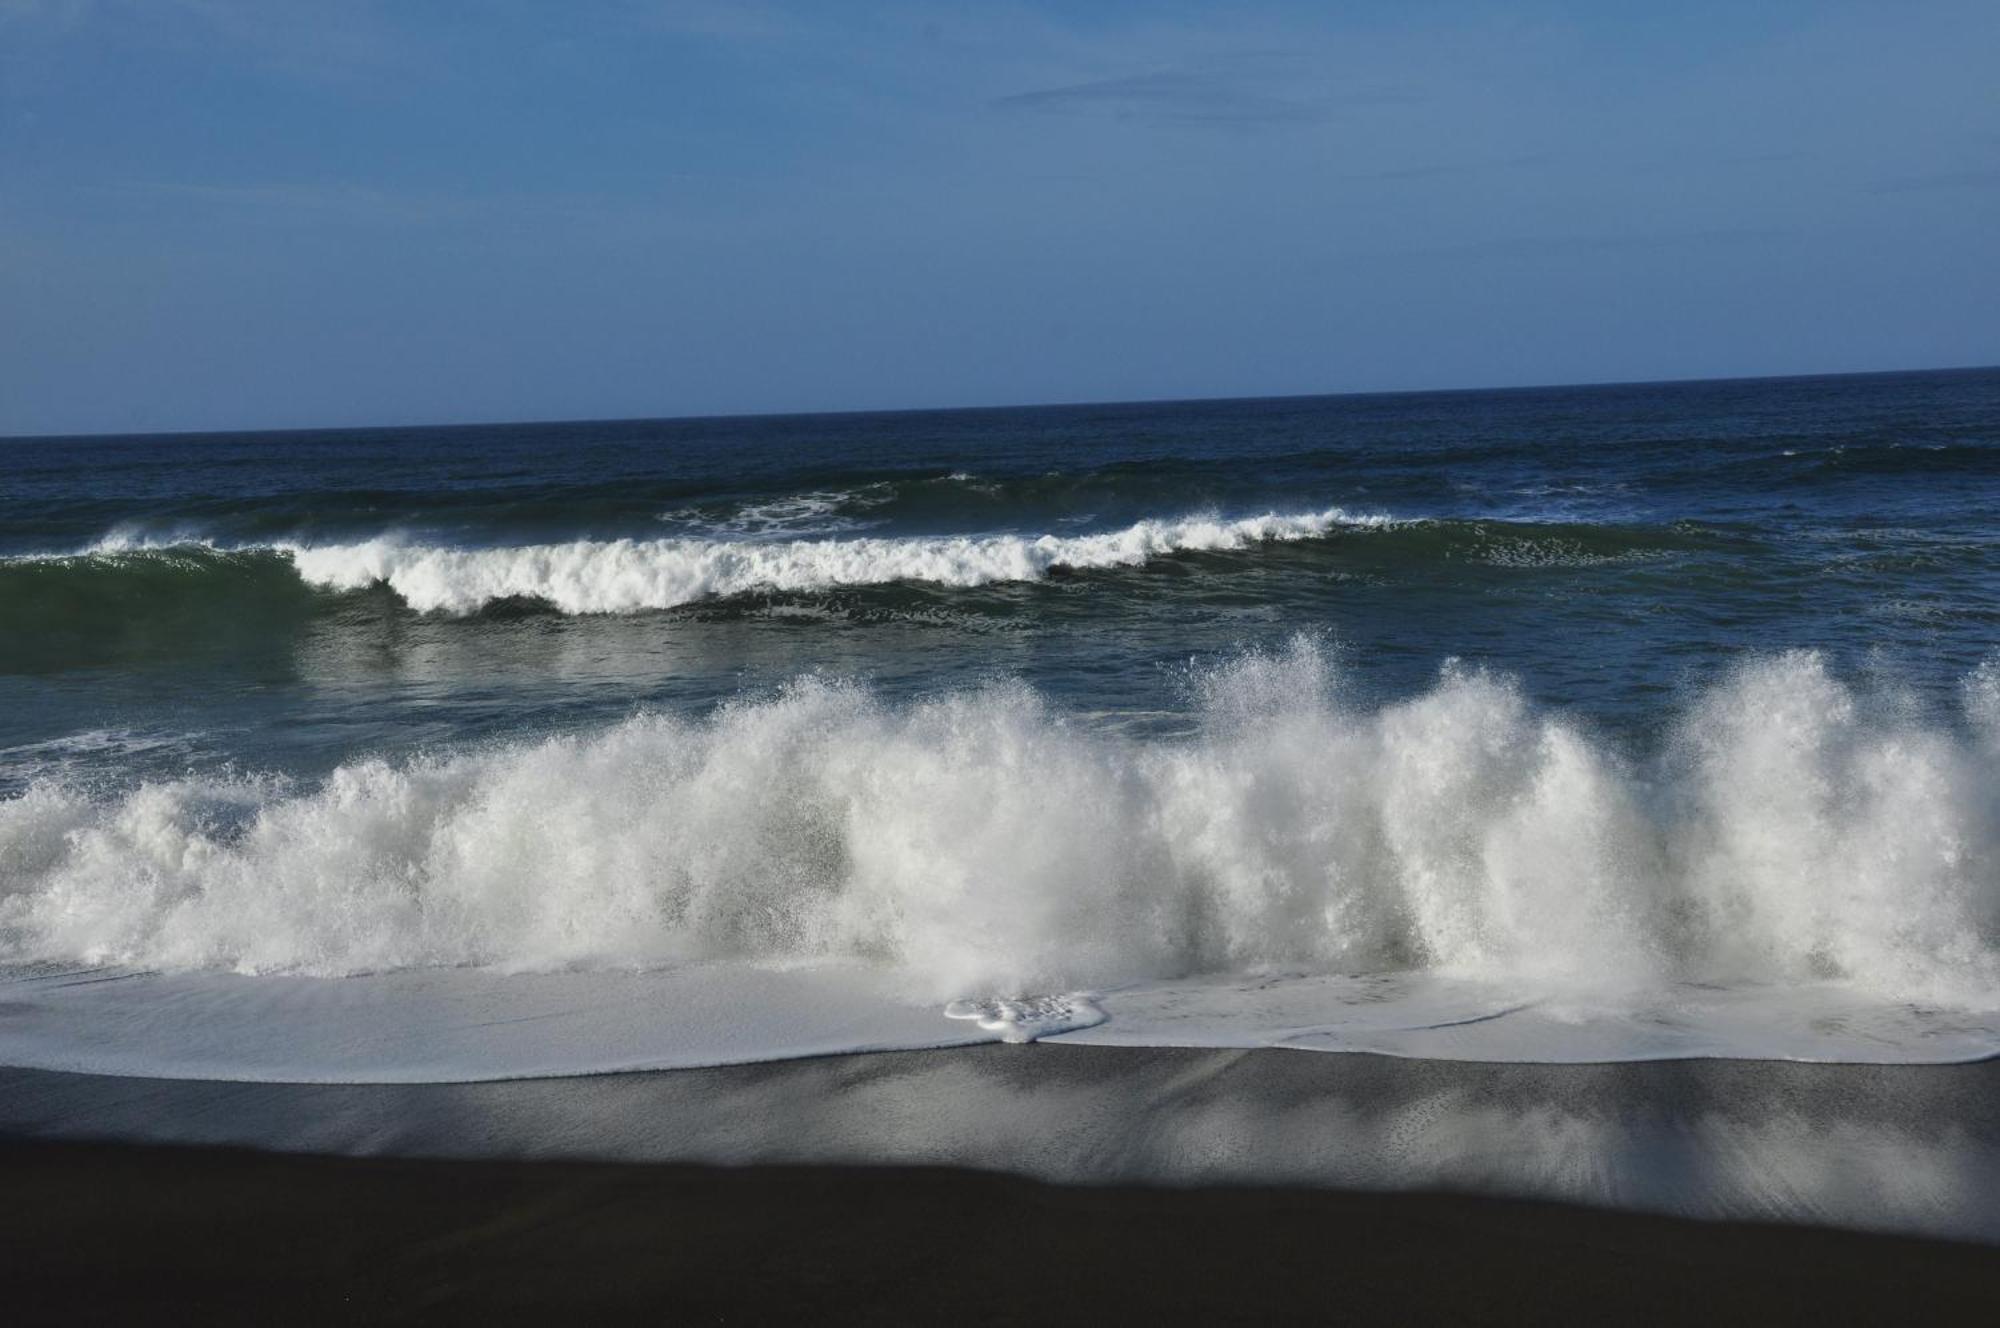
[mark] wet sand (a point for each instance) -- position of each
(95, 1232)
(1002, 1183)
(1912, 1150)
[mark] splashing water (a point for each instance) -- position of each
(980, 843)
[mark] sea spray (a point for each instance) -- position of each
(620, 576)
(978, 843)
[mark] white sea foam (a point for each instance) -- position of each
(622, 576)
(124, 540)
(819, 512)
(978, 845)
(1026, 1019)
(143, 539)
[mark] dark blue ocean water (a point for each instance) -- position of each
(1612, 548)
(1562, 724)
(1569, 725)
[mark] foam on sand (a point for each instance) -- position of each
(1024, 1019)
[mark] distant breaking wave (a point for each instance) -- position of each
(621, 576)
(631, 575)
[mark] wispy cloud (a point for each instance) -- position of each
(1557, 246)
(336, 202)
(722, 20)
(1988, 178)
(1446, 170)
(1759, 158)
(43, 11)
(289, 38)
(1396, 173)
(1185, 97)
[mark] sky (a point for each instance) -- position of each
(221, 214)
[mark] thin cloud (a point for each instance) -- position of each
(1760, 158)
(1903, 184)
(1556, 246)
(1185, 97)
(333, 202)
(719, 20)
(1444, 170)
(1411, 173)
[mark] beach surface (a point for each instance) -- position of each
(1909, 1149)
(117, 1232)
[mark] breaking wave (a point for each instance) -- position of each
(125, 572)
(1788, 831)
(621, 576)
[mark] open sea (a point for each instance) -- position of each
(1595, 723)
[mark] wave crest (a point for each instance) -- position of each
(622, 576)
(978, 842)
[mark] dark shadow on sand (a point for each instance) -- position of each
(98, 1232)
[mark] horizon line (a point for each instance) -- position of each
(1069, 404)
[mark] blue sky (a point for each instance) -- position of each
(266, 213)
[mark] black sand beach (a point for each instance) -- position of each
(96, 1233)
(998, 1184)
(1910, 1149)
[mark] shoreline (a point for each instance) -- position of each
(229, 1235)
(1911, 1150)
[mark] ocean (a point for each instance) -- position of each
(1542, 725)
